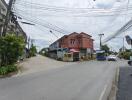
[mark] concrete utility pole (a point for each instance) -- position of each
(7, 19)
(29, 43)
(123, 45)
(100, 35)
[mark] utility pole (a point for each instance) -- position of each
(123, 45)
(100, 35)
(29, 43)
(7, 19)
(131, 45)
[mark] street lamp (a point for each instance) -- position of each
(100, 35)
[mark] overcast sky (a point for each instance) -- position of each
(75, 16)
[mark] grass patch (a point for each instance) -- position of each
(4, 70)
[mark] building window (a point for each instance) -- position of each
(72, 41)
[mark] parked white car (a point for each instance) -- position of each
(112, 58)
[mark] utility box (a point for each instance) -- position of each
(130, 57)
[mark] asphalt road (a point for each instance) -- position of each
(125, 83)
(82, 81)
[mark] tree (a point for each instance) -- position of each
(11, 48)
(32, 51)
(44, 52)
(105, 48)
(126, 54)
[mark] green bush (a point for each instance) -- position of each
(44, 52)
(3, 71)
(11, 68)
(126, 55)
(11, 48)
(7, 69)
(32, 51)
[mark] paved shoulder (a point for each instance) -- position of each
(125, 84)
(40, 63)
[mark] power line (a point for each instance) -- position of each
(95, 15)
(80, 12)
(103, 11)
(122, 29)
(42, 5)
(94, 12)
(37, 22)
(49, 24)
(49, 32)
(54, 8)
(59, 7)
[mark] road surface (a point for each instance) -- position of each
(81, 81)
(40, 63)
(125, 83)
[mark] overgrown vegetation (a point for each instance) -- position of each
(44, 52)
(32, 51)
(105, 48)
(126, 54)
(7, 69)
(11, 48)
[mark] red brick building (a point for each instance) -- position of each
(76, 41)
(81, 42)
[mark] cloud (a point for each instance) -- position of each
(91, 25)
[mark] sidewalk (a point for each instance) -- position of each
(40, 63)
(125, 84)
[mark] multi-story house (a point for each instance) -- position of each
(13, 25)
(74, 42)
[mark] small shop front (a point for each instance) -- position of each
(72, 55)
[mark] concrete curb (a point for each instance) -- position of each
(114, 88)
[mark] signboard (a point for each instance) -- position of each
(128, 39)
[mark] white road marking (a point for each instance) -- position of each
(103, 92)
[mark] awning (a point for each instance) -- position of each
(74, 50)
